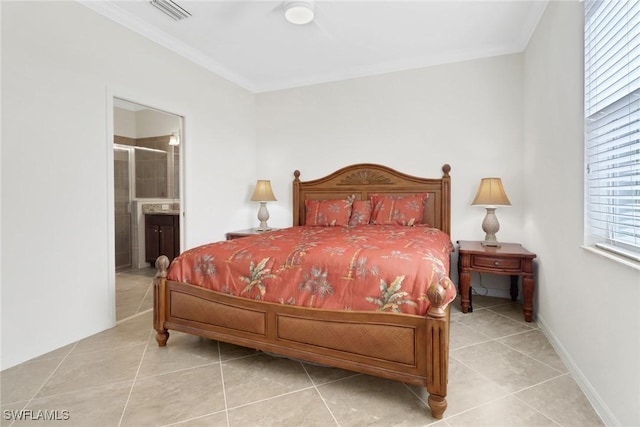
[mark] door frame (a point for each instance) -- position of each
(111, 93)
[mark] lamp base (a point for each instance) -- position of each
(490, 226)
(263, 216)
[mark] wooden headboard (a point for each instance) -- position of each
(364, 179)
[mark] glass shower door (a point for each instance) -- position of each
(122, 199)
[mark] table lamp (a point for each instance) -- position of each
(263, 194)
(491, 194)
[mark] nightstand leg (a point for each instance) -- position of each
(465, 288)
(527, 297)
(514, 288)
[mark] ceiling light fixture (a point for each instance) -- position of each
(298, 12)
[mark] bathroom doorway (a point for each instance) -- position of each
(146, 163)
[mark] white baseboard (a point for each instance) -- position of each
(592, 395)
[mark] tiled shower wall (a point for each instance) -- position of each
(156, 177)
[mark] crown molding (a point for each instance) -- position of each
(133, 23)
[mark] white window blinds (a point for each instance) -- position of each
(612, 112)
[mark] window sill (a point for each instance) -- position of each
(613, 256)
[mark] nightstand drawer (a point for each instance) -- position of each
(479, 261)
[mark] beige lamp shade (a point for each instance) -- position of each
(263, 192)
(491, 193)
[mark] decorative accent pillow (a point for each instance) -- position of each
(328, 213)
(360, 212)
(402, 210)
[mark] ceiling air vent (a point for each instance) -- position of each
(171, 9)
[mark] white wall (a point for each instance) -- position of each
(124, 122)
(587, 304)
(468, 114)
(61, 62)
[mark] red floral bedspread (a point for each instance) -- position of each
(369, 267)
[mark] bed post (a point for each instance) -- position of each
(446, 197)
(159, 300)
(438, 347)
(296, 198)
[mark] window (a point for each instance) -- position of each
(612, 118)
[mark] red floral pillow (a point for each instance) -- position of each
(360, 213)
(402, 210)
(328, 212)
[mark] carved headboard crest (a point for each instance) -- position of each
(365, 177)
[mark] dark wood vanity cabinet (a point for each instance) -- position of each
(162, 236)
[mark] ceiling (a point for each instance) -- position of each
(251, 44)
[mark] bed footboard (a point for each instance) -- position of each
(406, 348)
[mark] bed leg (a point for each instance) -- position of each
(438, 405)
(438, 318)
(159, 300)
(162, 336)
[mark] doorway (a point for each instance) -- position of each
(146, 163)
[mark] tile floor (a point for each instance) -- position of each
(503, 372)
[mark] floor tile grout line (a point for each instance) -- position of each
(560, 373)
(534, 408)
(355, 374)
(427, 407)
(177, 371)
(266, 399)
(133, 316)
(324, 401)
(509, 393)
(224, 389)
(493, 338)
(533, 358)
(199, 417)
(486, 378)
(517, 322)
(542, 382)
(417, 395)
(47, 380)
(119, 347)
(49, 396)
(133, 384)
(450, 416)
(514, 320)
(471, 345)
(149, 288)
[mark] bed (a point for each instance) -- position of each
(403, 342)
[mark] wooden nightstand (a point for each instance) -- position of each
(509, 259)
(245, 233)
